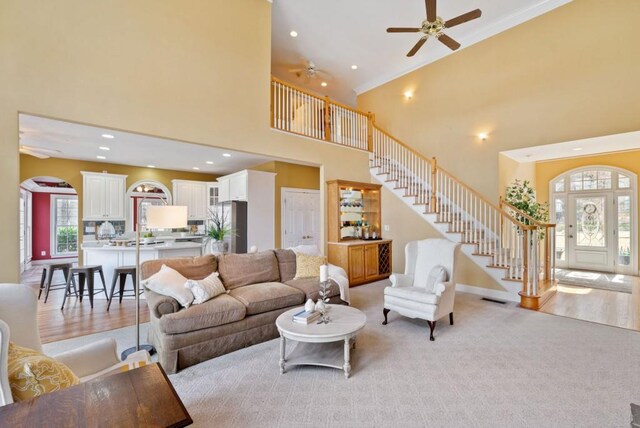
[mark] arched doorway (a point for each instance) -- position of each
(140, 195)
(595, 210)
(48, 221)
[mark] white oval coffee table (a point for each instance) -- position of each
(327, 345)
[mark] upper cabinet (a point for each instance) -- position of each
(193, 195)
(103, 196)
(235, 187)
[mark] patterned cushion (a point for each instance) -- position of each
(308, 266)
(32, 374)
(205, 289)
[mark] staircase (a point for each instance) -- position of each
(510, 246)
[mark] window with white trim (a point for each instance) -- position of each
(64, 225)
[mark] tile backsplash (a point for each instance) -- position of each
(90, 228)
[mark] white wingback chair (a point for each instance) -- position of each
(19, 323)
(411, 296)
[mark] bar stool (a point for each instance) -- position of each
(85, 273)
(47, 277)
(120, 273)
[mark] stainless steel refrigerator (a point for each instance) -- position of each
(235, 214)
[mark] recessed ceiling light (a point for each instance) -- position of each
(196, 168)
(108, 136)
(209, 162)
(323, 84)
(577, 149)
(105, 148)
(101, 157)
(151, 166)
(226, 155)
(354, 67)
(293, 33)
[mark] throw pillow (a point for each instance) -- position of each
(310, 250)
(169, 282)
(308, 266)
(205, 289)
(437, 274)
(32, 374)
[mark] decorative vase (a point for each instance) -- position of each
(219, 247)
(321, 306)
(309, 306)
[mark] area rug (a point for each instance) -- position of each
(600, 280)
(498, 366)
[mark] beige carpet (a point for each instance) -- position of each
(498, 366)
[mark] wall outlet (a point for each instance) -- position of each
(43, 253)
(386, 227)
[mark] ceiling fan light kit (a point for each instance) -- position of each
(434, 26)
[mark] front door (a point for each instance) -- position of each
(590, 228)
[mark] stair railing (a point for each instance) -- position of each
(546, 238)
(512, 245)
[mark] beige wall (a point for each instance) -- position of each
(289, 175)
(510, 170)
(197, 74)
(549, 80)
(552, 79)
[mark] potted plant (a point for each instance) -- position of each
(521, 195)
(147, 238)
(217, 230)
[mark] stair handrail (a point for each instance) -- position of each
(532, 221)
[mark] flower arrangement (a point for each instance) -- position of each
(521, 195)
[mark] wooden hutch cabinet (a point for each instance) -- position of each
(354, 220)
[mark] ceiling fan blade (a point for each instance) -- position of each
(296, 70)
(402, 30)
(474, 14)
(449, 42)
(431, 10)
(417, 46)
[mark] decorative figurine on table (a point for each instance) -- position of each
(321, 304)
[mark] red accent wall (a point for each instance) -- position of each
(41, 219)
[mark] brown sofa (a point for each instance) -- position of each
(261, 287)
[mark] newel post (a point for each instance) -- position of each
(548, 252)
(327, 118)
(434, 185)
(371, 118)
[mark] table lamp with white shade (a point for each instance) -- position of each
(158, 217)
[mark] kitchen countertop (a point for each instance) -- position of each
(150, 247)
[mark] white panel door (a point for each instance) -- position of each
(94, 196)
(114, 198)
(590, 232)
(300, 217)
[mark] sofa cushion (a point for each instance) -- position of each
(286, 264)
(311, 287)
(189, 267)
(308, 266)
(238, 270)
(267, 296)
(223, 309)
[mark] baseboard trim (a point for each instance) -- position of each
(55, 260)
(487, 292)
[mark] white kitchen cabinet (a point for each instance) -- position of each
(213, 194)
(257, 188)
(193, 195)
(103, 196)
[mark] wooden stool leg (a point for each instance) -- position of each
(104, 284)
(123, 282)
(65, 272)
(67, 290)
(47, 283)
(44, 275)
(113, 287)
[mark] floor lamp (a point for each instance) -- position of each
(158, 217)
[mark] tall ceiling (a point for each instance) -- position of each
(336, 34)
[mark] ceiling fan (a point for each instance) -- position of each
(434, 26)
(310, 71)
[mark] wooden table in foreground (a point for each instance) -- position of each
(143, 397)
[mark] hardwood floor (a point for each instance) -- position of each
(78, 319)
(600, 306)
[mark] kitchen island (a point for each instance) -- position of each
(111, 257)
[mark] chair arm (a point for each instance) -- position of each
(160, 305)
(444, 288)
(401, 280)
(91, 358)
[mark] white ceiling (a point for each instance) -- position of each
(570, 149)
(69, 140)
(335, 34)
